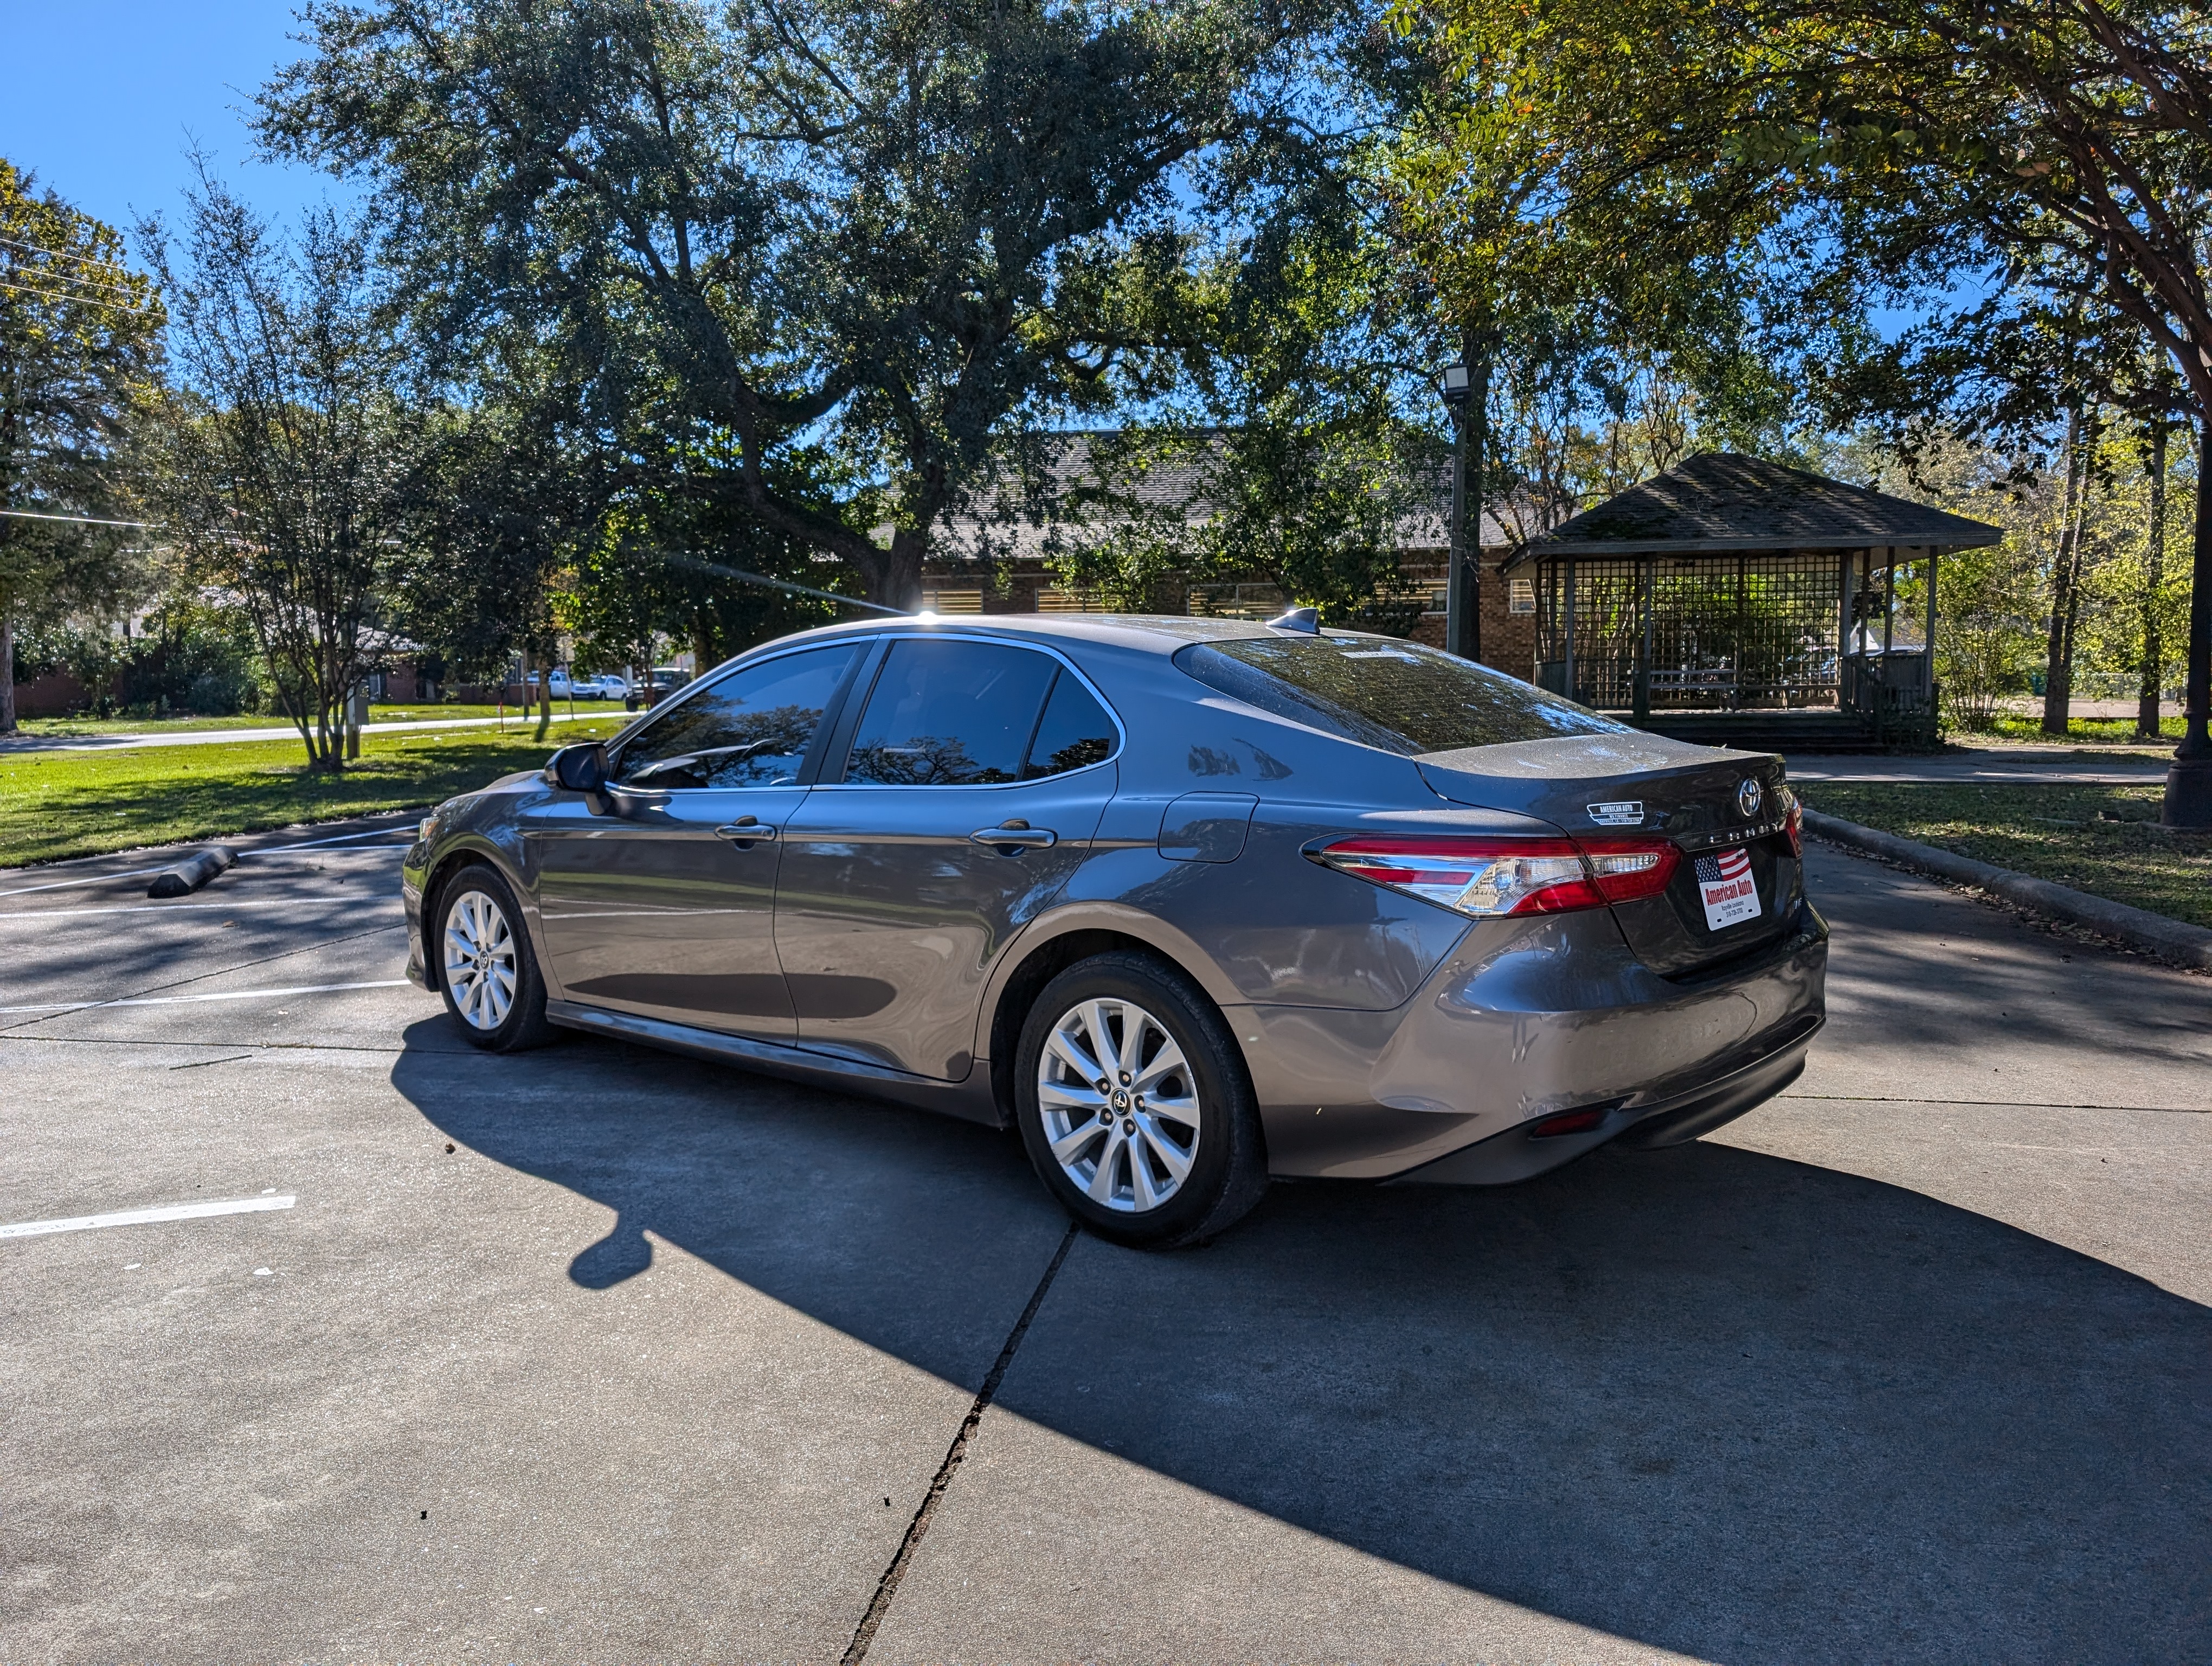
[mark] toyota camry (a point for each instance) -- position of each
(1188, 902)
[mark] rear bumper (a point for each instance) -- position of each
(1521, 1023)
(1518, 1155)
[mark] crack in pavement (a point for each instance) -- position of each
(918, 1529)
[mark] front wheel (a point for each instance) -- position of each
(487, 973)
(1134, 1104)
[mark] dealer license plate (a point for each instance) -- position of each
(1731, 894)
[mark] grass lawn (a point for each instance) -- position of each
(54, 805)
(2103, 840)
(2012, 727)
(420, 712)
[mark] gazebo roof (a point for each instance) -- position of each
(1718, 501)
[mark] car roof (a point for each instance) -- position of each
(1159, 633)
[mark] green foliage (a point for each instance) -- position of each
(80, 349)
(288, 452)
(1853, 149)
(899, 233)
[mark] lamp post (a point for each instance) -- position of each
(1466, 388)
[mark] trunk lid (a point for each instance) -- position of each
(1723, 809)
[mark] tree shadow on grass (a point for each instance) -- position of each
(1713, 1401)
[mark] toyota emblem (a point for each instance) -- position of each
(1747, 797)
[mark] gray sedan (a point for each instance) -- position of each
(1189, 902)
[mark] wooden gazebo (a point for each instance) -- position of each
(1742, 603)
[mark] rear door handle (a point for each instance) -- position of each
(745, 832)
(1026, 838)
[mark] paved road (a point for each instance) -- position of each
(109, 743)
(2010, 765)
(595, 1355)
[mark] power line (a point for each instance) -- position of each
(57, 274)
(743, 577)
(75, 521)
(40, 249)
(39, 276)
(82, 300)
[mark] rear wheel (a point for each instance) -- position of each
(1134, 1104)
(486, 971)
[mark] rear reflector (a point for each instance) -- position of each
(1569, 1121)
(1491, 876)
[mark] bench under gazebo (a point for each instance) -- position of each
(1741, 603)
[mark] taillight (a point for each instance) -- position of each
(1491, 877)
(1796, 826)
(1628, 869)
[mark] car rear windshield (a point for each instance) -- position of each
(1400, 696)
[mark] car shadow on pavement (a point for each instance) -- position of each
(1739, 1406)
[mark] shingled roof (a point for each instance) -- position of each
(1010, 528)
(1719, 501)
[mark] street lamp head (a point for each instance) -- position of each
(1456, 381)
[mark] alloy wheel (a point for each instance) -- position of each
(1120, 1105)
(480, 966)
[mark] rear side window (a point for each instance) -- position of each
(1400, 696)
(1075, 733)
(751, 728)
(950, 713)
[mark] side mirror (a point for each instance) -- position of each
(581, 768)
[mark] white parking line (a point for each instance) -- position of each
(94, 879)
(244, 1206)
(343, 838)
(221, 994)
(188, 908)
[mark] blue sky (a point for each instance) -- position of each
(102, 97)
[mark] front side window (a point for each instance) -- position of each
(751, 728)
(1402, 697)
(947, 711)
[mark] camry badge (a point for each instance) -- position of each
(1627, 813)
(1747, 797)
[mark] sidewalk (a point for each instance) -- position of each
(2056, 764)
(97, 743)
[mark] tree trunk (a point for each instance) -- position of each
(2188, 777)
(2065, 570)
(545, 695)
(703, 642)
(2154, 651)
(7, 675)
(898, 581)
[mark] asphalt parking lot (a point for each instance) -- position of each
(595, 1355)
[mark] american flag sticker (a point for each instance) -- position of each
(1731, 894)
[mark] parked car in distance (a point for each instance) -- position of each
(663, 681)
(1189, 902)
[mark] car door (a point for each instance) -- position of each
(659, 900)
(970, 787)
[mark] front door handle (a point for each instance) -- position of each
(744, 830)
(1024, 837)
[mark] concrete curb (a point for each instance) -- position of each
(2138, 928)
(182, 878)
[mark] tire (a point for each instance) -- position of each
(1168, 1168)
(481, 944)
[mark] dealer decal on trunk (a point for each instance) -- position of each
(1731, 894)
